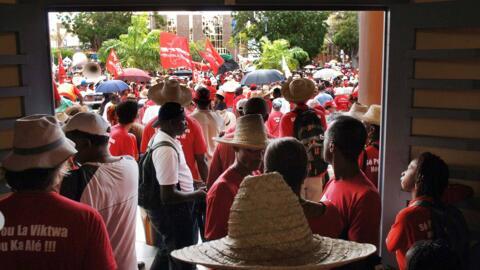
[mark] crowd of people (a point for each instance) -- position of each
(182, 150)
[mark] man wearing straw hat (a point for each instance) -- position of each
(249, 142)
(39, 229)
(268, 230)
(369, 159)
(355, 197)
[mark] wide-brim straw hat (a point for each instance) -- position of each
(170, 91)
(249, 133)
(38, 142)
(357, 110)
(373, 115)
(267, 229)
(298, 90)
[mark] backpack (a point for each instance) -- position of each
(308, 129)
(449, 224)
(148, 186)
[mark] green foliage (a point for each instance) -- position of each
(345, 32)
(199, 45)
(272, 53)
(65, 52)
(92, 28)
(304, 29)
(138, 48)
(159, 21)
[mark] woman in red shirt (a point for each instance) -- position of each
(323, 217)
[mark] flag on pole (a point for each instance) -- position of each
(285, 68)
(211, 56)
(62, 74)
(174, 51)
(113, 65)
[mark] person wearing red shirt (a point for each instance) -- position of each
(323, 218)
(42, 229)
(343, 102)
(426, 178)
(224, 155)
(249, 142)
(121, 141)
(355, 197)
(273, 122)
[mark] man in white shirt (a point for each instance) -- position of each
(173, 220)
(106, 183)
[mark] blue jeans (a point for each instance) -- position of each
(176, 228)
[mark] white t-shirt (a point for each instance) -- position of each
(113, 191)
(168, 169)
(212, 124)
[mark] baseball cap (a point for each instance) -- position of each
(87, 122)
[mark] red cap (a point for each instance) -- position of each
(253, 86)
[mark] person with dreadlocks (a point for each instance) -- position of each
(426, 178)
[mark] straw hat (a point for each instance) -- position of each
(372, 116)
(170, 91)
(249, 133)
(298, 90)
(38, 142)
(267, 229)
(357, 110)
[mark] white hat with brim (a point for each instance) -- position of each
(267, 229)
(372, 116)
(249, 133)
(298, 90)
(170, 91)
(38, 142)
(357, 110)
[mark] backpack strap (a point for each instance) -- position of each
(160, 144)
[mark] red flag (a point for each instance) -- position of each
(113, 64)
(174, 51)
(62, 74)
(211, 56)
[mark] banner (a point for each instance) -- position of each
(62, 74)
(285, 68)
(174, 51)
(113, 64)
(211, 56)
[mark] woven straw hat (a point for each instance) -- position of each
(372, 116)
(249, 133)
(357, 110)
(170, 91)
(38, 142)
(267, 229)
(298, 90)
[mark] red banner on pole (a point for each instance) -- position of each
(113, 64)
(211, 56)
(174, 51)
(62, 74)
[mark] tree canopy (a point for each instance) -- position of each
(304, 29)
(272, 53)
(93, 28)
(138, 48)
(345, 32)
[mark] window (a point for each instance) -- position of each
(213, 30)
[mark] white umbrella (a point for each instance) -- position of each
(309, 67)
(230, 86)
(326, 74)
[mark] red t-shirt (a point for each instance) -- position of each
(288, 119)
(273, 123)
(212, 90)
(343, 102)
(193, 142)
(358, 203)
(229, 98)
(370, 165)
(57, 233)
(222, 158)
(219, 200)
(122, 143)
(412, 224)
(329, 224)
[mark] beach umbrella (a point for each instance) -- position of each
(134, 75)
(263, 76)
(326, 74)
(111, 86)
